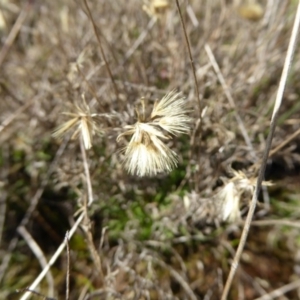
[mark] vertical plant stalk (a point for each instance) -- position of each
(101, 49)
(199, 122)
(3, 197)
(68, 267)
(87, 174)
(87, 222)
(191, 59)
(282, 83)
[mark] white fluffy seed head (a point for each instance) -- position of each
(147, 153)
(171, 113)
(231, 201)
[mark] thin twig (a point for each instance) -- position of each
(281, 291)
(283, 222)
(53, 258)
(94, 253)
(3, 197)
(192, 15)
(3, 206)
(39, 255)
(87, 173)
(191, 60)
(101, 49)
(68, 266)
(34, 293)
(199, 121)
(87, 223)
(289, 139)
(260, 178)
(102, 237)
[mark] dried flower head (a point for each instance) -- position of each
(224, 205)
(230, 195)
(146, 152)
(155, 8)
(83, 121)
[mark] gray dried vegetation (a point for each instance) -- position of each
(161, 185)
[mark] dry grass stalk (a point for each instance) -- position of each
(147, 154)
(37, 251)
(68, 267)
(96, 30)
(86, 226)
(53, 258)
(191, 60)
(279, 96)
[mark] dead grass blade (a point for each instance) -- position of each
(281, 291)
(282, 84)
(191, 59)
(68, 267)
(53, 258)
(102, 50)
(284, 143)
(37, 251)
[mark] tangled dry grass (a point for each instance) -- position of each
(173, 234)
